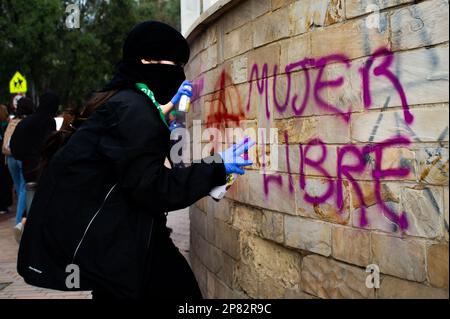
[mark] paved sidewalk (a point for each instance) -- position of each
(12, 285)
(179, 222)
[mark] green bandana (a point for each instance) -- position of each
(144, 88)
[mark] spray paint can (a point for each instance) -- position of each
(185, 101)
(217, 193)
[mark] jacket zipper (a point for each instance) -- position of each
(90, 223)
(148, 259)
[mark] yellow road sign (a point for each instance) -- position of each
(18, 84)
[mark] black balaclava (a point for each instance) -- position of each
(152, 40)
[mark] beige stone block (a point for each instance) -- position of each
(437, 265)
(293, 158)
(201, 204)
(419, 25)
(307, 234)
(432, 165)
(259, 275)
(269, 55)
(227, 273)
(260, 7)
(378, 219)
(239, 70)
(351, 245)
(276, 4)
(242, 91)
(192, 69)
(294, 49)
(217, 289)
(247, 280)
(391, 125)
(209, 255)
(278, 197)
(424, 211)
(326, 210)
(271, 27)
(198, 220)
(245, 12)
(270, 288)
(394, 288)
(446, 199)
(209, 58)
(354, 8)
(389, 192)
(303, 130)
(227, 238)
(210, 225)
(210, 79)
(196, 47)
(346, 98)
(199, 247)
(338, 100)
(315, 153)
(199, 271)
(238, 41)
(307, 14)
(239, 190)
(399, 257)
(422, 73)
(237, 16)
(327, 278)
(221, 209)
(247, 218)
(272, 226)
(394, 157)
(350, 38)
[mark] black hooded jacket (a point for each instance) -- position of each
(100, 205)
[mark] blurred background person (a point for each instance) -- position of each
(25, 107)
(5, 178)
(173, 121)
(30, 135)
(27, 143)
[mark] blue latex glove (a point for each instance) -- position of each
(232, 158)
(182, 91)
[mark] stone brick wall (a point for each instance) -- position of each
(360, 101)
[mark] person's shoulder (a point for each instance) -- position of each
(129, 97)
(131, 104)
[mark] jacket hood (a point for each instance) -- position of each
(48, 104)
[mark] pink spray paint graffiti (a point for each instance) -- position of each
(261, 79)
(227, 111)
(357, 154)
(383, 70)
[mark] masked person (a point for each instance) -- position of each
(101, 204)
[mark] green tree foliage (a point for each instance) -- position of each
(35, 40)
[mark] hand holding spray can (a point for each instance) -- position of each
(233, 162)
(217, 193)
(185, 101)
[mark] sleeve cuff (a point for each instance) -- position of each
(219, 173)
